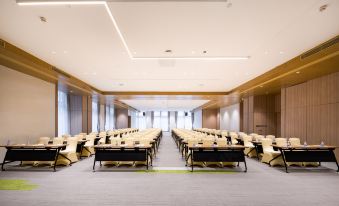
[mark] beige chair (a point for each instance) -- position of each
(88, 149)
(192, 142)
(281, 142)
(43, 140)
(270, 156)
(58, 140)
(69, 155)
(234, 137)
(272, 137)
(250, 149)
(210, 143)
(222, 142)
(144, 142)
(295, 142)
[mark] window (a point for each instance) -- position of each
(181, 120)
(95, 116)
(63, 114)
(141, 121)
(188, 120)
(164, 121)
(156, 120)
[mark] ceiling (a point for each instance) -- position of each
(164, 105)
(82, 40)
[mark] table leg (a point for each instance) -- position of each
(94, 164)
(192, 162)
(257, 151)
(245, 165)
(283, 156)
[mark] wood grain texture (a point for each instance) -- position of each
(210, 118)
(312, 110)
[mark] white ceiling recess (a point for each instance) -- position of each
(165, 105)
(82, 40)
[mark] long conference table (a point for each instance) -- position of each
(310, 153)
(108, 152)
(32, 153)
(232, 153)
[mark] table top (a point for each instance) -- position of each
(109, 146)
(34, 146)
(302, 147)
(219, 147)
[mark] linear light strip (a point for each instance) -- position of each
(103, 2)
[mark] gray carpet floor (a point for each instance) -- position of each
(261, 185)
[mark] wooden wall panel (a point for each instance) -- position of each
(312, 110)
(245, 115)
(210, 118)
(121, 116)
(250, 114)
(283, 112)
(75, 114)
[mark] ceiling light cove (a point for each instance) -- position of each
(101, 2)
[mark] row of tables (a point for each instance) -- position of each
(104, 152)
(198, 153)
(235, 153)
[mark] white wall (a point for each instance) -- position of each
(230, 118)
(197, 119)
(27, 108)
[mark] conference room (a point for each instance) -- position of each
(169, 102)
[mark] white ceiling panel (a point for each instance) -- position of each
(82, 40)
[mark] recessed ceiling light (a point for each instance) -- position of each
(65, 52)
(323, 7)
(168, 51)
(281, 52)
(193, 52)
(298, 72)
(266, 52)
(43, 19)
(53, 52)
(94, 73)
(205, 52)
(261, 86)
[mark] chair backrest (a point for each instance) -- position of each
(129, 141)
(58, 140)
(222, 142)
(79, 137)
(247, 141)
(281, 142)
(272, 137)
(192, 142)
(43, 140)
(234, 137)
(90, 141)
(116, 141)
(145, 142)
(72, 144)
(259, 137)
(294, 141)
(207, 142)
(267, 145)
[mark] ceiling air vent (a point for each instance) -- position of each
(2, 43)
(320, 48)
(61, 72)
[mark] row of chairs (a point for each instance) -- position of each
(142, 138)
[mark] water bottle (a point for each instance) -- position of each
(305, 144)
(322, 144)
